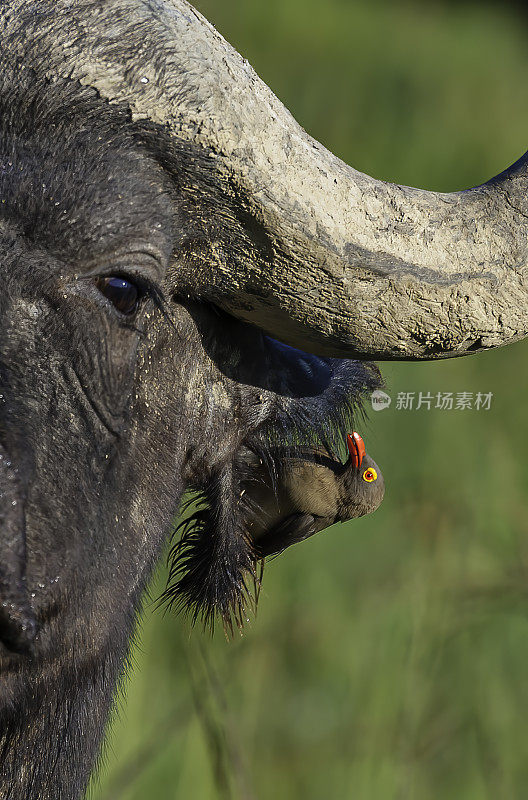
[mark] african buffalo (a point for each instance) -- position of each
(172, 244)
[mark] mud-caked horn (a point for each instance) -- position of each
(339, 263)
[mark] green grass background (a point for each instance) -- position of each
(389, 657)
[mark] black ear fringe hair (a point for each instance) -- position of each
(324, 420)
(213, 567)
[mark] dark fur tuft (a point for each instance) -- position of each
(213, 560)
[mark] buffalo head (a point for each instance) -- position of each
(163, 223)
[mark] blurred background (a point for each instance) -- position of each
(389, 657)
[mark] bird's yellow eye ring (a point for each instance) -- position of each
(370, 475)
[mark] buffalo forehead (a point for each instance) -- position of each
(78, 183)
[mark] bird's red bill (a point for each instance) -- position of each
(356, 448)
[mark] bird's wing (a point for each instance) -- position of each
(290, 530)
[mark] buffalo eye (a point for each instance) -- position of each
(122, 293)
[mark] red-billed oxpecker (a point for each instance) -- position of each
(310, 492)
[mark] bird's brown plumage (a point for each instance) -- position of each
(309, 493)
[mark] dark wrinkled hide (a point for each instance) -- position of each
(107, 419)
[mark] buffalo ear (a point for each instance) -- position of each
(18, 626)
